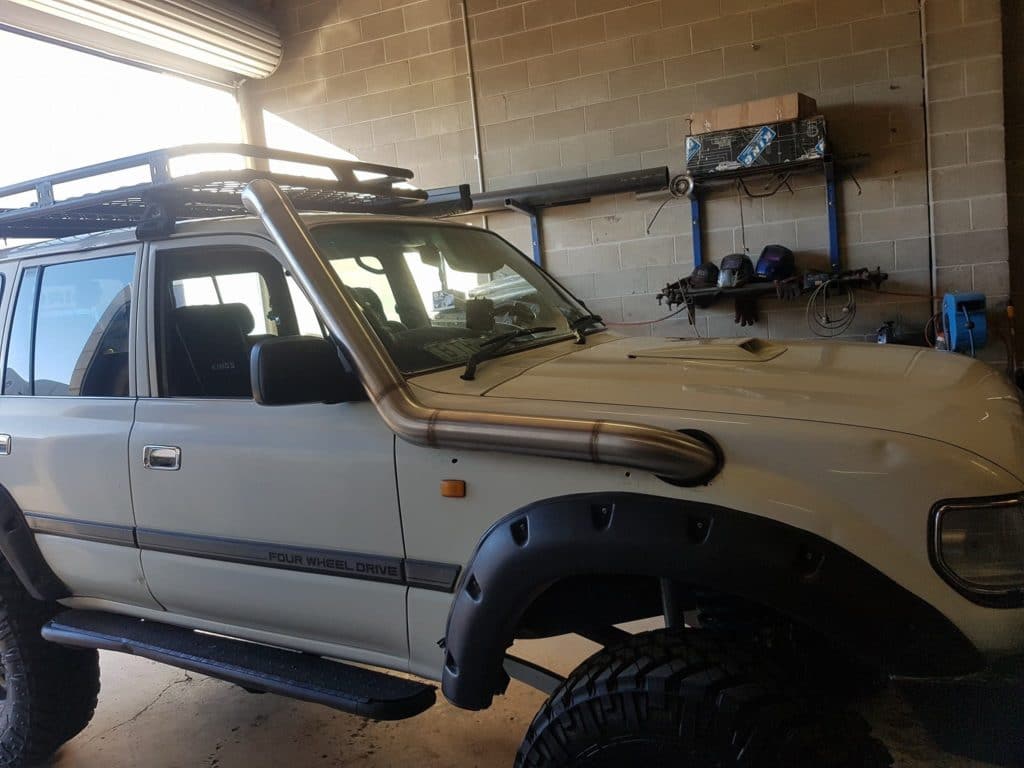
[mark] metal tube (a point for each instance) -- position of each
(936, 303)
(577, 190)
(474, 110)
(664, 452)
(670, 604)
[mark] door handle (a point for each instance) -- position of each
(5, 445)
(166, 457)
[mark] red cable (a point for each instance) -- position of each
(649, 322)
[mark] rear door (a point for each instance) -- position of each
(283, 519)
(67, 406)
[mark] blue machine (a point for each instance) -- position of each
(965, 322)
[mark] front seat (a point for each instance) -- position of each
(368, 299)
(216, 351)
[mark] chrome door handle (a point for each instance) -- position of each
(5, 445)
(166, 457)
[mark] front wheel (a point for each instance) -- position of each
(689, 699)
(47, 693)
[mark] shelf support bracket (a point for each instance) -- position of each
(535, 231)
(833, 214)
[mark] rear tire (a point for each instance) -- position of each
(689, 699)
(48, 692)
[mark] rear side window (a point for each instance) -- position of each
(69, 336)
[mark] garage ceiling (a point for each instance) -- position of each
(213, 40)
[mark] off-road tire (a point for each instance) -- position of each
(691, 699)
(49, 692)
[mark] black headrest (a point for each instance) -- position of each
(368, 299)
(217, 315)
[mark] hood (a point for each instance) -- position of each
(916, 391)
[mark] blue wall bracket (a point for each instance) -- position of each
(535, 231)
(698, 229)
(826, 164)
(831, 200)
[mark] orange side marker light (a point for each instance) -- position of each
(453, 489)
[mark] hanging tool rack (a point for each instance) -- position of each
(825, 165)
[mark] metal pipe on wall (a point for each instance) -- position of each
(472, 100)
(929, 184)
(680, 457)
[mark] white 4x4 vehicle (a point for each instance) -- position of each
(261, 447)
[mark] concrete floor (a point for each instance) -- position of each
(155, 716)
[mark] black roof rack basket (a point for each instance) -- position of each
(154, 205)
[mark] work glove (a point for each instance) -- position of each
(788, 289)
(746, 310)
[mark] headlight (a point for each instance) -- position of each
(977, 545)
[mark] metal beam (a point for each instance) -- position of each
(533, 675)
(573, 191)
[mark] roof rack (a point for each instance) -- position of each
(155, 205)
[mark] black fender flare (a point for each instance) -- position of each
(795, 573)
(19, 548)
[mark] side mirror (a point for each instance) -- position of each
(301, 369)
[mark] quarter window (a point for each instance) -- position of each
(70, 331)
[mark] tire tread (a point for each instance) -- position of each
(712, 693)
(55, 689)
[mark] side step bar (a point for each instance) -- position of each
(303, 676)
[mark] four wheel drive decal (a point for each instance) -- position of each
(391, 570)
(327, 562)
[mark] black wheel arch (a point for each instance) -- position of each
(19, 548)
(784, 569)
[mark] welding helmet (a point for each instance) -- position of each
(736, 270)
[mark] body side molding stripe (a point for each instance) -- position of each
(328, 562)
(106, 533)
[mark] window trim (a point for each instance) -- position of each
(19, 281)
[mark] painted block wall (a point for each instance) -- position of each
(572, 88)
(1013, 67)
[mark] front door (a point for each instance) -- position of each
(280, 520)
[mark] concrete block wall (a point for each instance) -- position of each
(571, 88)
(1013, 67)
(968, 149)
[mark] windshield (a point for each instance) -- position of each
(436, 294)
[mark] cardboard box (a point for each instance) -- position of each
(767, 147)
(777, 109)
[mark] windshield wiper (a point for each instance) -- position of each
(578, 325)
(494, 345)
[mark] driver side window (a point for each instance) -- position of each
(212, 306)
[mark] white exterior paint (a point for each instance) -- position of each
(850, 442)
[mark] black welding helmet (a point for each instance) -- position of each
(737, 269)
(776, 263)
(704, 276)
